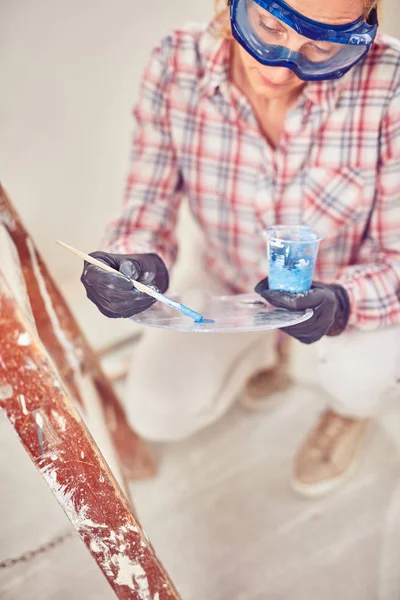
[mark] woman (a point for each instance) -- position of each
(295, 118)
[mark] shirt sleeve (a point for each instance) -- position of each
(373, 284)
(152, 198)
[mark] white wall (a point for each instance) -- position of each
(390, 17)
(69, 73)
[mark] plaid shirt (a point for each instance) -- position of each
(337, 168)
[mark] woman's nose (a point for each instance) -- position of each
(295, 42)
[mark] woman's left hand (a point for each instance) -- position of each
(330, 304)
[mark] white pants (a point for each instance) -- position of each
(181, 382)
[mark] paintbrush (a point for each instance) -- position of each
(185, 310)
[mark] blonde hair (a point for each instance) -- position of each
(224, 28)
(370, 5)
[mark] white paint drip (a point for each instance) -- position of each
(98, 546)
(6, 391)
(94, 546)
(156, 596)
(125, 573)
(88, 523)
(141, 580)
(65, 497)
(129, 527)
(82, 454)
(62, 493)
(24, 339)
(59, 333)
(61, 422)
(2, 364)
(113, 536)
(130, 572)
(39, 420)
(56, 383)
(23, 404)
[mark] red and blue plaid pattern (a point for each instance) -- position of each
(337, 168)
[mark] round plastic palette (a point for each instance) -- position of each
(230, 314)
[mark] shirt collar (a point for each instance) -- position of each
(215, 53)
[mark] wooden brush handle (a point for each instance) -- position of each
(97, 263)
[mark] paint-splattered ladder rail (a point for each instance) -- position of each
(36, 399)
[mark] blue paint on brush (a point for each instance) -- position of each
(188, 312)
(185, 310)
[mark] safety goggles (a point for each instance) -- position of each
(277, 35)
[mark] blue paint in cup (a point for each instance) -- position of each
(292, 254)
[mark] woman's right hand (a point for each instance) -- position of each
(114, 295)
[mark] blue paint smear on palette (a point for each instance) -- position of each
(197, 317)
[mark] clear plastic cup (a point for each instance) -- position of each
(292, 254)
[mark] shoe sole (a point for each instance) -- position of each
(320, 490)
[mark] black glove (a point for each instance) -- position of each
(330, 303)
(114, 295)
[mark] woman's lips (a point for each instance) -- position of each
(270, 83)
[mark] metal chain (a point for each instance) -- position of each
(8, 563)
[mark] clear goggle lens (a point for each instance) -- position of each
(274, 42)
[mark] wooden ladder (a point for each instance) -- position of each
(50, 378)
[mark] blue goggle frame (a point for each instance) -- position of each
(359, 33)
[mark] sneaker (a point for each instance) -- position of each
(328, 456)
(258, 389)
